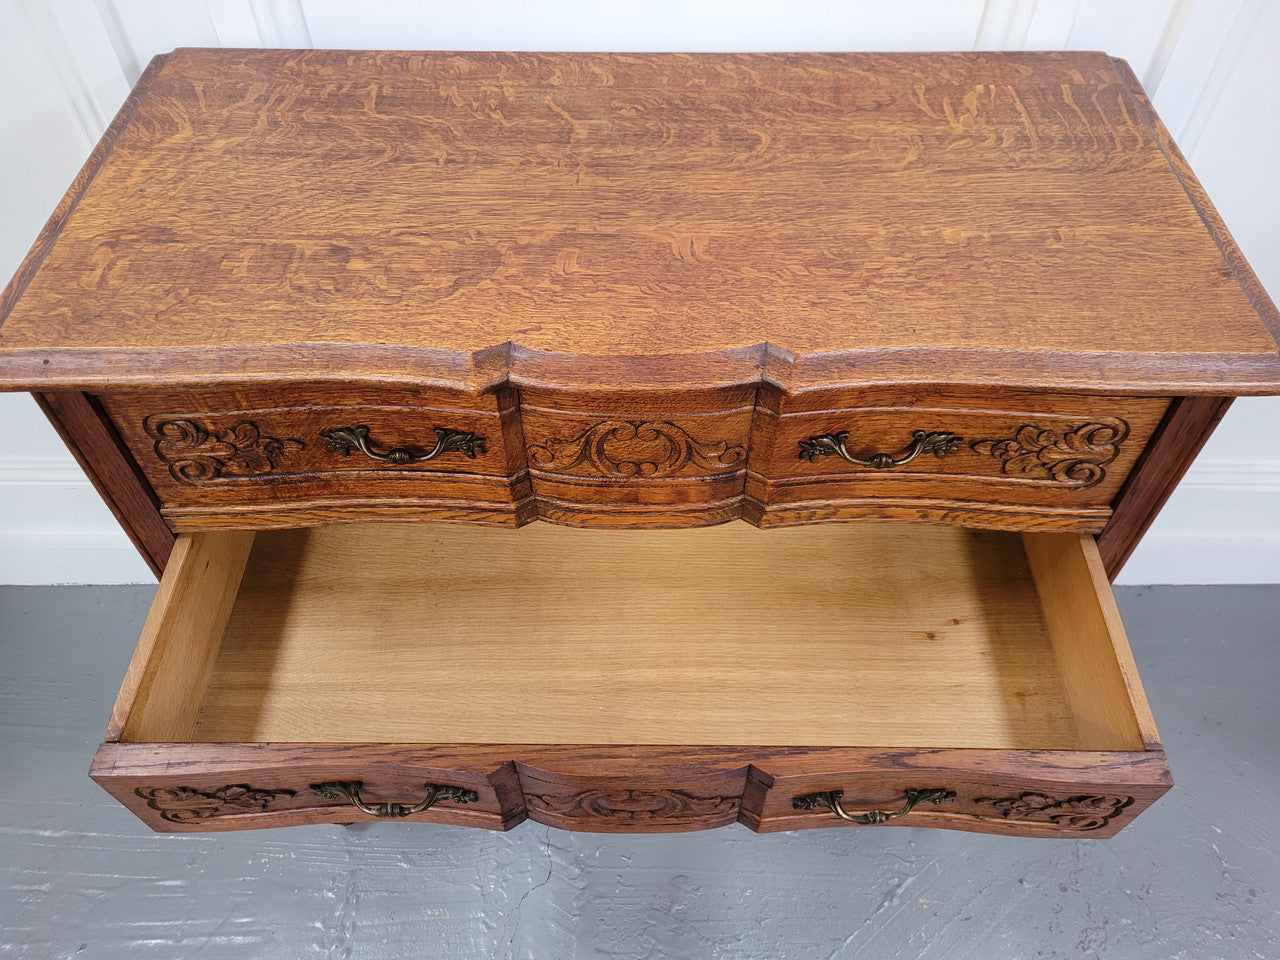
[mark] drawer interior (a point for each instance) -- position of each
(880, 635)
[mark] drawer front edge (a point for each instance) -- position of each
(601, 789)
(305, 454)
(313, 454)
(195, 787)
(1040, 793)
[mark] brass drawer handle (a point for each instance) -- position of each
(830, 799)
(938, 442)
(344, 440)
(350, 790)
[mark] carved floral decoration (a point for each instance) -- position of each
(1083, 812)
(195, 454)
(635, 806)
(189, 805)
(635, 448)
(1075, 457)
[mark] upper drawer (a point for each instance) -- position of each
(1004, 459)
(261, 458)
(660, 458)
(266, 455)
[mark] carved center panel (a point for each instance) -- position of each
(624, 449)
(632, 806)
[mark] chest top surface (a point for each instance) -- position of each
(986, 219)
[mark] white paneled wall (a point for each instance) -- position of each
(1211, 67)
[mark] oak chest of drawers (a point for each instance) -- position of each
(836, 384)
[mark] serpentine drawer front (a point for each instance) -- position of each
(244, 458)
(1005, 460)
(357, 672)
(301, 306)
(255, 457)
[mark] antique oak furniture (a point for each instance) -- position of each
(300, 307)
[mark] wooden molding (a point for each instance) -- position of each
(93, 441)
(1169, 453)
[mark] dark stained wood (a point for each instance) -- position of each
(644, 789)
(1189, 423)
(591, 221)
(93, 441)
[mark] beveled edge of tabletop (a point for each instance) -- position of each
(508, 362)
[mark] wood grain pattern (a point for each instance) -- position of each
(215, 454)
(987, 475)
(1231, 254)
(17, 285)
(737, 693)
(967, 513)
(654, 459)
(586, 219)
(997, 792)
(840, 635)
(1089, 640)
(630, 459)
(665, 799)
(645, 788)
(644, 280)
(131, 772)
(181, 638)
(1186, 428)
(103, 456)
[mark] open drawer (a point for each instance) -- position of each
(635, 681)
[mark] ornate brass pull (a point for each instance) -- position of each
(938, 442)
(830, 799)
(350, 790)
(344, 440)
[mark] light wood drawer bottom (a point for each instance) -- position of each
(634, 681)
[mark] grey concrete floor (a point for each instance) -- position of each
(1196, 876)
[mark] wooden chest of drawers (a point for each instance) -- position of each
(300, 307)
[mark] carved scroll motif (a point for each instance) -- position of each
(635, 448)
(195, 454)
(634, 806)
(1074, 457)
(1083, 812)
(189, 805)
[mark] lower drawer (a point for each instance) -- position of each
(649, 680)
